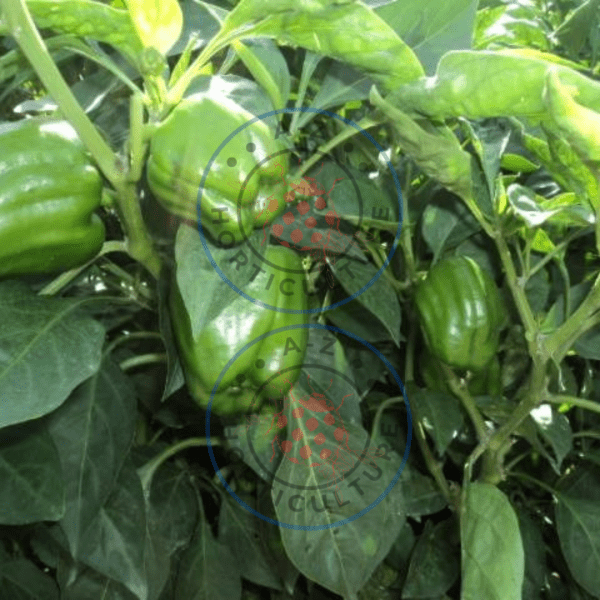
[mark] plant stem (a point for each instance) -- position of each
(25, 33)
(517, 288)
(557, 250)
(533, 396)
(462, 393)
(136, 335)
(139, 243)
(579, 402)
(342, 136)
(584, 318)
(143, 359)
(147, 471)
(434, 466)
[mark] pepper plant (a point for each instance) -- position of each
(422, 179)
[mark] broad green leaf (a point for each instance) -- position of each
(310, 63)
(92, 432)
(239, 530)
(208, 569)
(442, 416)
(524, 202)
(379, 299)
(193, 265)
(535, 560)
(578, 525)
(435, 149)
(477, 84)
(578, 27)
(342, 558)
(172, 507)
(493, 561)
(157, 22)
(263, 59)
(446, 224)
(174, 379)
(435, 562)
(566, 168)
(556, 430)
(490, 141)
(348, 31)
(45, 340)
(89, 19)
(353, 317)
(114, 542)
(268, 67)
(33, 488)
(421, 494)
(431, 27)
(511, 24)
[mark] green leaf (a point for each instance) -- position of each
(431, 27)
(343, 558)
(157, 22)
(89, 19)
(493, 561)
(114, 543)
(267, 65)
(379, 299)
(434, 148)
(92, 432)
(478, 84)
(535, 560)
(578, 525)
(208, 569)
(421, 494)
(239, 530)
(208, 300)
(45, 340)
(442, 416)
(435, 561)
(347, 31)
(556, 430)
(446, 224)
(29, 461)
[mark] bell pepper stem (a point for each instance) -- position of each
(144, 359)
(146, 472)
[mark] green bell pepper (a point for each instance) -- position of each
(461, 313)
(267, 368)
(181, 149)
(48, 194)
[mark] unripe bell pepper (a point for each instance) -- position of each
(49, 190)
(181, 149)
(267, 368)
(461, 313)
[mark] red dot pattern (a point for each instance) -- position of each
(320, 421)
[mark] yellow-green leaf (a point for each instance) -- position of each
(157, 22)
